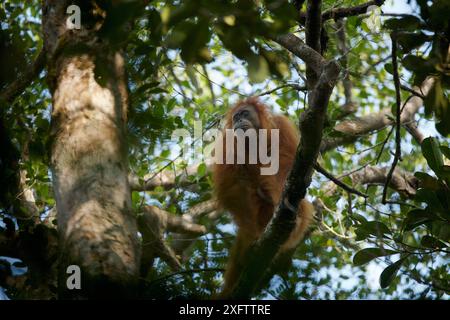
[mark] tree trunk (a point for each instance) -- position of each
(89, 162)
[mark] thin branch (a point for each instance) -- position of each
(398, 101)
(402, 15)
(183, 272)
(319, 206)
(390, 133)
(210, 85)
(286, 85)
(372, 68)
(380, 153)
(181, 91)
(215, 83)
(414, 92)
(338, 182)
(330, 230)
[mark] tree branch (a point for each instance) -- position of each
(294, 44)
(23, 202)
(319, 206)
(413, 130)
(152, 223)
(163, 178)
(355, 128)
(313, 24)
(401, 181)
(338, 182)
(313, 29)
(398, 102)
(350, 11)
(12, 91)
(338, 13)
(181, 241)
(286, 85)
(412, 91)
(170, 222)
(210, 85)
(199, 210)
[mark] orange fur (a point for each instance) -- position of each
(250, 197)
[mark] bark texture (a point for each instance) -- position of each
(89, 165)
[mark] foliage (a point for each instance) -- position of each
(190, 60)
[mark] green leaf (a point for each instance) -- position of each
(359, 217)
(446, 151)
(444, 173)
(441, 230)
(365, 255)
(432, 152)
(157, 90)
(375, 228)
(409, 40)
(165, 154)
(416, 218)
(171, 104)
(158, 111)
(431, 198)
(258, 69)
(405, 23)
(437, 102)
(201, 169)
(432, 242)
(388, 274)
(413, 63)
(388, 67)
(427, 181)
